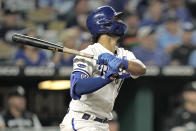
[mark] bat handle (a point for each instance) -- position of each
(71, 51)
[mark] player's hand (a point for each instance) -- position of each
(105, 58)
(113, 66)
(115, 63)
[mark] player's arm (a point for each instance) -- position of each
(81, 83)
(135, 67)
(81, 86)
(132, 65)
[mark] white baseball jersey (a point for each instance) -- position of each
(99, 103)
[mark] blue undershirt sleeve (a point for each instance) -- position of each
(81, 84)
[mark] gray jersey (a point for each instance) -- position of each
(99, 103)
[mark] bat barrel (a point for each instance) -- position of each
(18, 38)
(27, 40)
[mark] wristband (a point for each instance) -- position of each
(125, 64)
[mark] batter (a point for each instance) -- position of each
(96, 84)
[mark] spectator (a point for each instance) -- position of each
(154, 16)
(7, 52)
(118, 5)
(30, 56)
(132, 6)
(19, 5)
(184, 117)
(114, 124)
(180, 55)
(94, 4)
(84, 40)
(192, 59)
(177, 8)
(130, 39)
(147, 51)
(191, 5)
(10, 25)
(170, 37)
(79, 14)
(16, 116)
(141, 7)
(60, 6)
(68, 38)
(194, 38)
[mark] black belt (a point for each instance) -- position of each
(87, 116)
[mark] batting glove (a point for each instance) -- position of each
(113, 67)
(105, 58)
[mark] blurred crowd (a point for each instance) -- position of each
(160, 32)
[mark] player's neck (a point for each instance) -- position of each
(109, 42)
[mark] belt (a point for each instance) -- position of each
(87, 117)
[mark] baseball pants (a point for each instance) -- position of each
(73, 122)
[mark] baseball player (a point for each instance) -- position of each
(95, 84)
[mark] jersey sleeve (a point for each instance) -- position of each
(84, 65)
(130, 56)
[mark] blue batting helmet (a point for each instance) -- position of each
(101, 21)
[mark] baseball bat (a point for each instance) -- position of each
(27, 40)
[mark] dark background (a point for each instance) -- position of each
(160, 99)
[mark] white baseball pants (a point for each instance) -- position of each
(73, 122)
